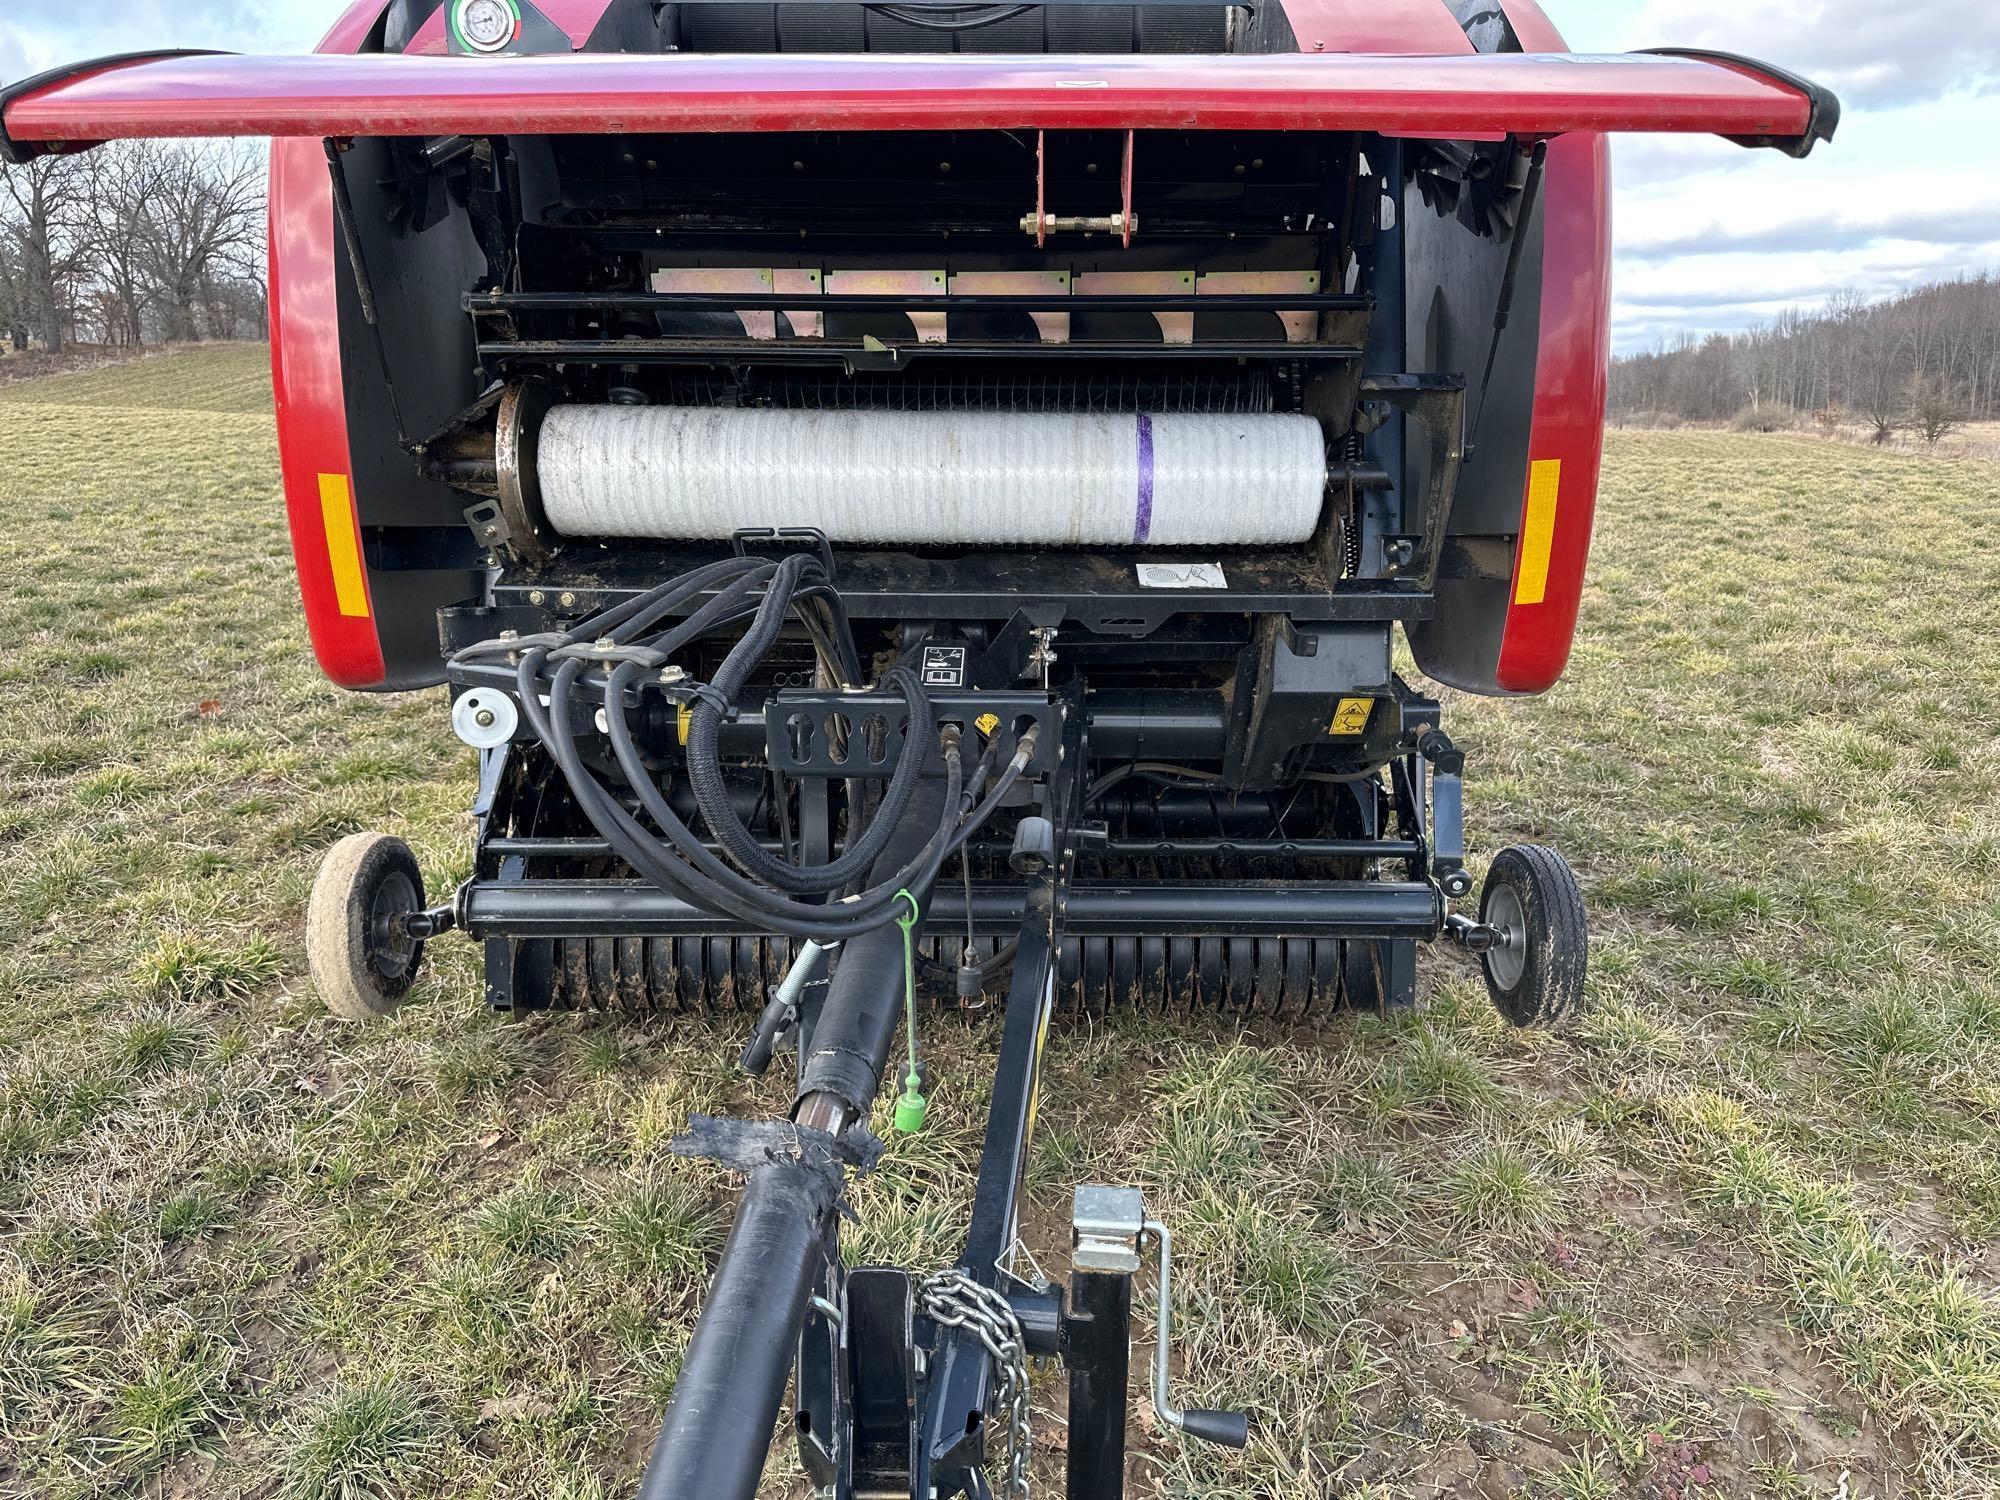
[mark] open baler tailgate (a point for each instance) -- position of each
(1461, 97)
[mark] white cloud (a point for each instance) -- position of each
(21, 55)
(1871, 52)
(1944, 225)
(1711, 237)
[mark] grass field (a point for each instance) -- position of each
(1736, 1236)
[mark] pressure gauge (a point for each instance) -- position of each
(487, 25)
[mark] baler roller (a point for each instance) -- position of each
(1299, 979)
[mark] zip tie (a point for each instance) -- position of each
(910, 1107)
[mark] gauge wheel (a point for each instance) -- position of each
(1535, 968)
(360, 951)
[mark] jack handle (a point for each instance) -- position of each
(1229, 1429)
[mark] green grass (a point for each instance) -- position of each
(1734, 1235)
(225, 378)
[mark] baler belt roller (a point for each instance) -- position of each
(1299, 979)
(1224, 389)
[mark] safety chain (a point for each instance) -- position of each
(953, 1299)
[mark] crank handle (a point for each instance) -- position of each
(1229, 1429)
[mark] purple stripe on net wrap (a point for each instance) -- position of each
(1142, 525)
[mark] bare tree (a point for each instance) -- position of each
(200, 225)
(42, 207)
(122, 181)
(13, 296)
(1880, 397)
(1934, 411)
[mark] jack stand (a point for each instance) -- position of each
(1097, 1336)
(1109, 1229)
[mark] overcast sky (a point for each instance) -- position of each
(1710, 236)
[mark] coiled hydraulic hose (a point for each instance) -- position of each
(760, 889)
(711, 795)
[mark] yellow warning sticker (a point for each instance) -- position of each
(986, 723)
(1350, 717)
(1538, 531)
(343, 548)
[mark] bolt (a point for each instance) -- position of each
(485, 718)
(537, 596)
(568, 600)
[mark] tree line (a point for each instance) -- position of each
(136, 242)
(1925, 361)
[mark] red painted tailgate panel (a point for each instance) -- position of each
(1446, 97)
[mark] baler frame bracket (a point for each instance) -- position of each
(1435, 404)
(812, 733)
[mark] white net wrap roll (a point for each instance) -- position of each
(1057, 480)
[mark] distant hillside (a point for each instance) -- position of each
(193, 377)
(1931, 353)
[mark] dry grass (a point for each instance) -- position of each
(1735, 1236)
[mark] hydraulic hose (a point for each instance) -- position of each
(712, 885)
(711, 794)
(882, 894)
(745, 881)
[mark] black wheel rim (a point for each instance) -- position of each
(392, 952)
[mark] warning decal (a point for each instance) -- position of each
(944, 666)
(1350, 717)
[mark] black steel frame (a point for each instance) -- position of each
(952, 1441)
(1334, 908)
(888, 1400)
